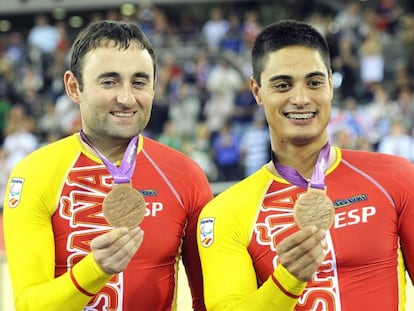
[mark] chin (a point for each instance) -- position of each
(303, 140)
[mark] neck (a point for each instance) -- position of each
(111, 150)
(301, 158)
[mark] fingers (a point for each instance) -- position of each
(310, 235)
(302, 252)
(107, 239)
(113, 250)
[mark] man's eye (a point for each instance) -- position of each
(282, 85)
(315, 83)
(139, 83)
(107, 82)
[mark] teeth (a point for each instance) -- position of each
(308, 115)
(123, 114)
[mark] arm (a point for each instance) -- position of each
(199, 194)
(229, 276)
(31, 253)
(402, 179)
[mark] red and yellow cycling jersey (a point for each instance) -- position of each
(54, 210)
(369, 246)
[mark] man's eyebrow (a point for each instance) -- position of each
(288, 77)
(113, 74)
(141, 75)
(315, 74)
(280, 77)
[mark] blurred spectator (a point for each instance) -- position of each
(217, 110)
(43, 40)
(317, 20)
(343, 139)
(4, 112)
(251, 27)
(31, 80)
(371, 59)
(202, 69)
(346, 64)
(388, 14)
(226, 153)
(8, 77)
(245, 108)
(43, 36)
(67, 112)
(169, 76)
(348, 123)
(55, 72)
(15, 50)
(406, 37)
(199, 150)
(145, 16)
(405, 101)
(350, 22)
(62, 45)
(397, 142)
(224, 78)
(170, 137)
(255, 146)
(162, 33)
(380, 111)
(202, 143)
(20, 139)
(214, 29)
(159, 114)
(233, 39)
(49, 121)
(184, 111)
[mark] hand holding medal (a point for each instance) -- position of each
(313, 207)
(123, 206)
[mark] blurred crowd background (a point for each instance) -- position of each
(203, 105)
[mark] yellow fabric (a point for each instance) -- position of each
(288, 281)
(403, 282)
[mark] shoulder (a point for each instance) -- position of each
(377, 163)
(51, 155)
(59, 146)
(167, 156)
(373, 158)
(242, 196)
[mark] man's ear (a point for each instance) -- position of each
(255, 88)
(72, 86)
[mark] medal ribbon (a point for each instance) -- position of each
(318, 176)
(123, 173)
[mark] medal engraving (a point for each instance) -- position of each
(314, 208)
(124, 206)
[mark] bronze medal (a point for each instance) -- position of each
(124, 206)
(314, 208)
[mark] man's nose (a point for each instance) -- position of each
(300, 95)
(126, 96)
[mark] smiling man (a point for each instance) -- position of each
(71, 248)
(255, 254)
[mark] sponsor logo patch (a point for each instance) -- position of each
(16, 185)
(207, 231)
